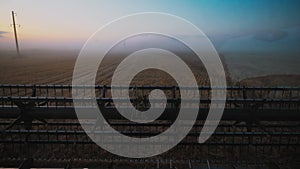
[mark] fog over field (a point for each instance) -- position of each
(56, 67)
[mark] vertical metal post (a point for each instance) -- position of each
(15, 32)
(103, 91)
(190, 164)
(208, 165)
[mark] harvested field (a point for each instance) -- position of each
(251, 142)
(56, 67)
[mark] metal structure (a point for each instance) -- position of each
(260, 128)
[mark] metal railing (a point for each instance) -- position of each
(261, 121)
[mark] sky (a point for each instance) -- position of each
(259, 37)
(232, 25)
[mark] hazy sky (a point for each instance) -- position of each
(232, 25)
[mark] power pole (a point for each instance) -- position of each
(15, 32)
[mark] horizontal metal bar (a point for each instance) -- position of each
(153, 124)
(145, 133)
(104, 163)
(123, 100)
(168, 114)
(152, 143)
(147, 87)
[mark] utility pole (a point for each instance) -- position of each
(15, 32)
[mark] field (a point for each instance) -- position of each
(276, 65)
(56, 67)
(37, 67)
